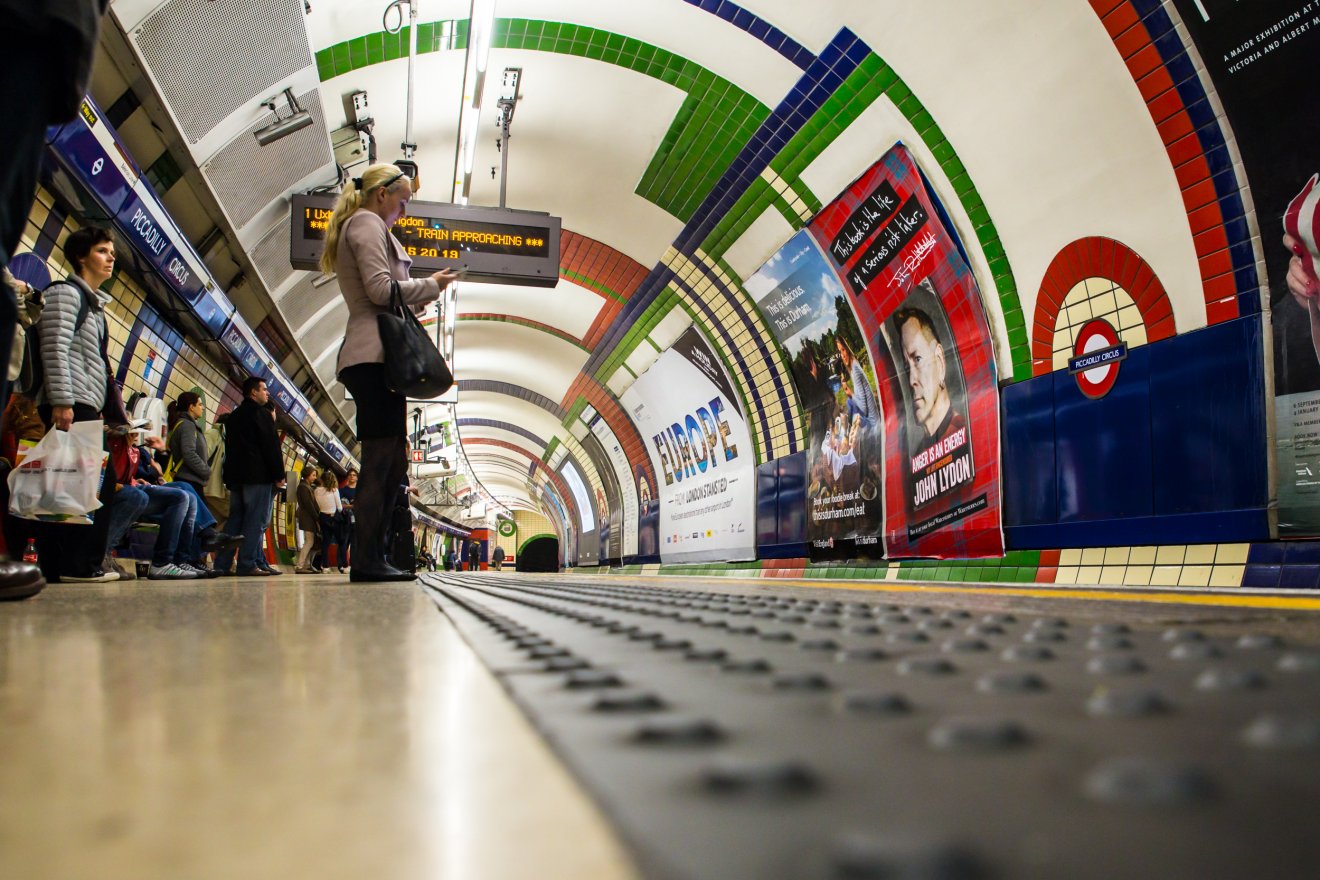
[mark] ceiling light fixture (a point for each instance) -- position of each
(297, 120)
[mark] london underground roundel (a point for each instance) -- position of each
(1097, 355)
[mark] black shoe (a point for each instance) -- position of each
(19, 580)
(378, 573)
(221, 541)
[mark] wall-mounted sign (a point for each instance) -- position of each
(494, 245)
(1097, 355)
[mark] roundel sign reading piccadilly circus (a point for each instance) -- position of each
(1097, 355)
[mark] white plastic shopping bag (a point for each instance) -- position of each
(59, 477)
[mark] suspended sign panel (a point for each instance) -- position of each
(687, 412)
(494, 245)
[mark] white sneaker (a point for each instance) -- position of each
(170, 572)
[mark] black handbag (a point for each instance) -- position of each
(414, 367)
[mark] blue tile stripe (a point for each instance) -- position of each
(1169, 43)
(492, 386)
(758, 28)
(821, 78)
(503, 426)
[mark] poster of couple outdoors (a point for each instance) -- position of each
(1261, 58)
(881, 322)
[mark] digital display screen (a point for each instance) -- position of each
(451, 239)
(523, 250)
(447, 239)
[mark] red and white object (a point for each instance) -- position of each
(1302, 222)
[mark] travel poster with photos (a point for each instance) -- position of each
(922, 318)
(807, 310)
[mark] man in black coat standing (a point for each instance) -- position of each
(254, 469)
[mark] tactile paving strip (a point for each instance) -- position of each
(767, 734)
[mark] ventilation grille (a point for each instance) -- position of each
(303, 301)
(211, 57)
(247, 177)
(271, 255)
(325, 333)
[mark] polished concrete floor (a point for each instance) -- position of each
(290, 727)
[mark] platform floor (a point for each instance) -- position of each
(282, 728)
(306, 727)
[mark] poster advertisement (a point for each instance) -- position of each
(627, 524)
(648, 517)
(921, 315)
(688, 415)
(808, 311)
(1261, 58)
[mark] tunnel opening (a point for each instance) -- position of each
(540, 553)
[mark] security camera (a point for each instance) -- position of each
(297, 120)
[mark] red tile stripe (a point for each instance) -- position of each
(1096, 257)
(1132, 40)
(564, 495)
(616, 417)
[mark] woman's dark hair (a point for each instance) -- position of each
(80, 243)
(179, 408)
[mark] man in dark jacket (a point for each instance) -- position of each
(253, 469)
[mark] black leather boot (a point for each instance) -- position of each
(384, 462)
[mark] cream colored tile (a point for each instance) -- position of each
(1067, 574)
(1088, 575)
(1232, 554)
(1195, 576)
(1165, 575)
(1138, 575)
(1200, 554)
(1071, 556)
(1227, 576)
(1117, 555)
(1142, 556)
(1170, 554)
(1111, 575)
(1093, 556)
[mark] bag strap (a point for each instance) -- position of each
(396, 298)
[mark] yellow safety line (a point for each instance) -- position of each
(1290, 603)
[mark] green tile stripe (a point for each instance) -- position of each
(378, 47)
(527, 322)
(550, 450)
(1018, 566)
(592, 284)
(655, 312)
(716, 121)
(873, 78)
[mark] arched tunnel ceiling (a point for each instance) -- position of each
(632, 113)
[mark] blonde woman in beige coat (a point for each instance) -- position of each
(361, 251)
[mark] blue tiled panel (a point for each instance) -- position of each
(767, 504)
(1027, 451)
(1159, 460)
(793, 499)
(1209, 449)
(1261, 576)
(1296, 577)
(1261, 554)
(1301, 552)
(1103, 452)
